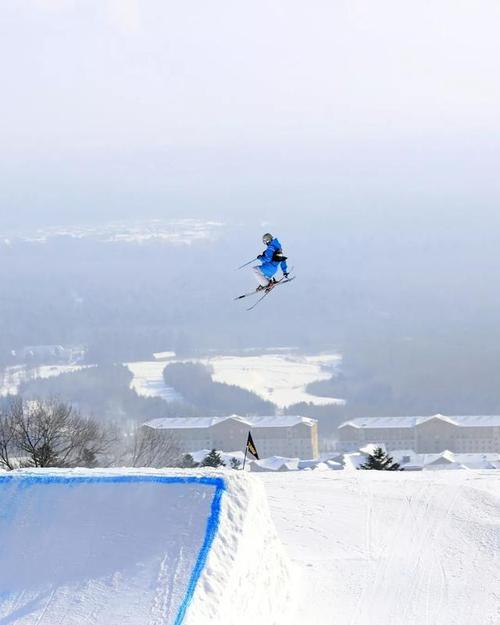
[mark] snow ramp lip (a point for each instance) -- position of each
(24, 480)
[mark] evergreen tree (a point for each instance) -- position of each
(235, 463)
(380, 461)
(187, 462)
(213, 460)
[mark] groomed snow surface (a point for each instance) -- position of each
(395, 548)
(144, 547)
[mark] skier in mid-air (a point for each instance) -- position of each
(271, 258)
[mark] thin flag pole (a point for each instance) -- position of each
(250, 447)
(246, 264)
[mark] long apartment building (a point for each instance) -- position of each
(460, 434)
(290, 436)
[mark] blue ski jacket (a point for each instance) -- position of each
(269, 266)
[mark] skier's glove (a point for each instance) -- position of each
(285, 274)
(260, 257)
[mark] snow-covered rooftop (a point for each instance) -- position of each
(180, 423)
(412, 461)
(280, 421)
(410, 422)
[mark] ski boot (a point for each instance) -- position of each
(270, 285)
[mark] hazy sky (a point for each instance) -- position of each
(126, 107)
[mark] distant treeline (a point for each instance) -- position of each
(194, 382)
(104, 392)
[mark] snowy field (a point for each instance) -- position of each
(148, 380)
(398, 548)
(281, 378)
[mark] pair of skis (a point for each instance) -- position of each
(265, 291)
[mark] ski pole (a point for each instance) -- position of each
(246, 264)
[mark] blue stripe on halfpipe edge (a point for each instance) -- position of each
(28, 480)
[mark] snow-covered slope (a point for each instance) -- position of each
(399, 548)
(138, 548)
(145, 547)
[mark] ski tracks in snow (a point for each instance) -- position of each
(418, 593)
(404, 548)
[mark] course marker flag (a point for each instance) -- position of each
(250, 447)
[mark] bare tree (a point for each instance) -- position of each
(7, 445)
(150, 448)
(48, 434)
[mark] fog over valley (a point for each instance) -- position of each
(413, 315)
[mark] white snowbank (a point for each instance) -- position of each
(275, 463)
(138, 547)
(248, 577)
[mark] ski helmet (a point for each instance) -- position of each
(267, 238)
